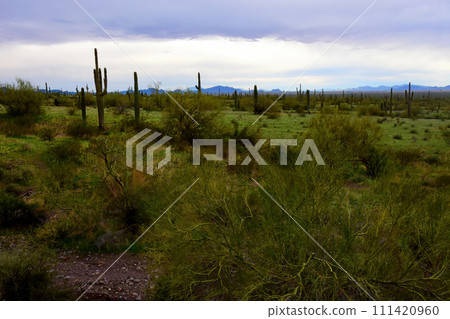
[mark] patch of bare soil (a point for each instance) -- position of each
(127, 279)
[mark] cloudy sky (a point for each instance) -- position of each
(235, 43)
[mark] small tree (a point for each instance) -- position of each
(21, 98)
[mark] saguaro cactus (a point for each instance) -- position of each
(83, 106)
(255, 97)
(46, 90)
(100, 91)
(409, 97)
(322, 99)
(136, 97)
(307, 100)
(390, 103)
(199, 85)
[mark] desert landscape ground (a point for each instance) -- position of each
(69, 206)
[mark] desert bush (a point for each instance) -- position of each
(446, 135)
(373, 110)
(25, 275)
(21, 98)
(14, 175)
(407, 156)
(72, 110)
(11, 129)
(15, 212)
(433, 160)
(65, 151)
(343, 138)
(230, 241)
(375, 162)
(177, 124)
(290, 103)
(118, 100)
(47, 133)
(64, 160)
(65, 100)
(78, 129)
(442, 180)
(129, 123)
(233, 244)
(264, 102)
(16, 126)
(79, 228)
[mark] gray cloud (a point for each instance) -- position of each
(306, 21)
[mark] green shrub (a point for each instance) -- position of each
(375, 162)
(65, 151)
(230, 241)
(177, 124)
(15, 212)
(25, 275)
(442, 180)
(397, 137)
(11, 129)
(407, 156)
(373, 110)
(21, 98)
(65, 100)
(130, 123)
(18, 125)
(433, 160)
(446, 135)
(342, 138)
(47, 133)
(77, 129)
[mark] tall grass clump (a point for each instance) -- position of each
(25, 275)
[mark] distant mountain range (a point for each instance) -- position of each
(401, 87)
(230, 90)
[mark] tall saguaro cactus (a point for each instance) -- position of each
(409, 97)
(322, 99)
(199, 85)
(100, 91)
(236, 100)
(83, 106)
(136, 97)
(390, 103)
(255, 97)
(308, 101)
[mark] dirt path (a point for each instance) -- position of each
(128, 279)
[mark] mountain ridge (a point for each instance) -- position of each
(230, 90)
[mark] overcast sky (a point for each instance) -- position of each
(235, 43)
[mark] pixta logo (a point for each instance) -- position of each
(146, 146)
(253, 149)
(308, 152)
